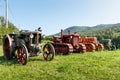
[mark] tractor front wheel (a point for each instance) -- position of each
(22, 54)
(48, 52)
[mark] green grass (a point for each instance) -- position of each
(103, 65)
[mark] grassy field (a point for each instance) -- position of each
(103, 65)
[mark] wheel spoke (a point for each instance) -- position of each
(48, 52)
(22, 55)
(49, 56)
(45, 55)
(22, 50)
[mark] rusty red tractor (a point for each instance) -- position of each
(91, 43)
(68, 43)
(25, 44)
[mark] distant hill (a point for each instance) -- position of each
(105, 30)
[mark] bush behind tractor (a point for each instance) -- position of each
(25, 44)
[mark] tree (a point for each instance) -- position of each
(3, 30)
(2, 21)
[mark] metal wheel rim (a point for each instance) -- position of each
(47, 52)
(6, 48)
(22, 55)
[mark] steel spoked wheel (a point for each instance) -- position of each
(22, 54)
(7, 47)
(48, 52)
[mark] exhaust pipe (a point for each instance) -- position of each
(68, 32)
(61, 32)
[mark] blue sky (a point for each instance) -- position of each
(53, 15)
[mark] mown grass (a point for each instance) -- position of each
(103, 65)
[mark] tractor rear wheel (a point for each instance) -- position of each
(48, 52)
(22, 54)
(7, 42)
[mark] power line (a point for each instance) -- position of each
(11, 13)
(9, 10)
(0, 2)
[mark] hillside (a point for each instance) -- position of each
(102, 29)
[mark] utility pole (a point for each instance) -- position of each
(6, 13)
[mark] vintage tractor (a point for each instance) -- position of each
(108, 45)
(26, 43)
(68, 43)
(92, 44)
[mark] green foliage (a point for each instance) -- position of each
(2, 21)
(103, 65)
(3, 30)
(116, 41)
